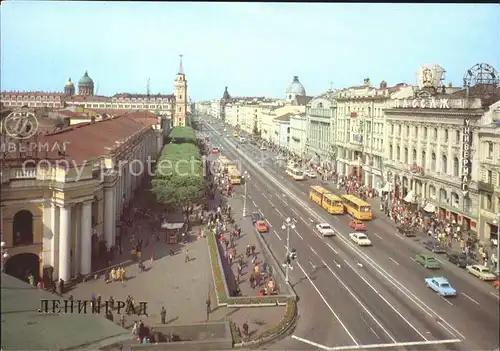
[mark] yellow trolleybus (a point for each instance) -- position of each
(234, 175)
(357, 208)
(316, 194)
(332, 204)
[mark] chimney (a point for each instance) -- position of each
(383, 85)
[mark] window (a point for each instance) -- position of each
(416, 132)
(489, 177)
(455, 199)
(392, 128)
(391, 150)
(424, 160)
(398, 153)
(399, 129)
(444, 164)
(414, 156)
(433, 162)
(407, 131)
(488, 202)
(406, 155)
(435, 133)
(432, 191)
(489, 153)
(180, 97)
(22, 228)
(456, 167)
(446, 135)
(425, 132)
(457, 136)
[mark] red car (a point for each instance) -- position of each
(215, 151)
(357, 225)
(261, 227)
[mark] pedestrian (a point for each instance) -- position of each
(152, 258)
(61, 286)
(252, 281)
(163, 315)
(135, 329)
(186, 258)
(122, 321)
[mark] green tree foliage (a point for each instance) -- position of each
(182, 135)
(178, 180)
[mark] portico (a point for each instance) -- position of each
(72, 209)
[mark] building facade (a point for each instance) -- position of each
(489, 173)
(180, 117)
(360, 130)
(57, 214)
(320, 123)
(281, 133)
(298, 134)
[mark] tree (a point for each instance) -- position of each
(255, 129)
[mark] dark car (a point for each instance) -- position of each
(459, 259)
(406, 231)
(434, 246)
(256, 216)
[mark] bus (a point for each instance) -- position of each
(316, 194)
(357, 208)
(234, 175)
(236, 134)
(333, 204)
(295, 173)
(224, 162)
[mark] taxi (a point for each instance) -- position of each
(261, 226)
(357, 225)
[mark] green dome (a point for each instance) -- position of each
(86, 80)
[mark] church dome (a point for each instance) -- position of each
(86, 80)
(296, 88)
(69, 83)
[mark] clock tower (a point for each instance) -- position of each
(180, 117)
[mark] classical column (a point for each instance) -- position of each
(64, 243)
(54, 245)
(86, 238)
(48, 236)
(109, 218)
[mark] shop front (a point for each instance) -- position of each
(377, 181)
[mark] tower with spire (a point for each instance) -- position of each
(180, 115)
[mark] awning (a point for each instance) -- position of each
(386, 188)
(410, 197)
(431, 208)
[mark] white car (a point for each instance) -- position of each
(225, 130)
(310, 174)
(360, 239)
(325, 229)
(481, 272)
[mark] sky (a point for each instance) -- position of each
(253, 48)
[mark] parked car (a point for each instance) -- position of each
(360, 239)
(261, 226)
(325, 229)
(357, 225)
(481, 272)
(427, 261)
(434, 246)
(441, 285)
(256, 216)
(459, 259)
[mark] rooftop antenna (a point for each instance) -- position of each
(181, 69)
(331, 85)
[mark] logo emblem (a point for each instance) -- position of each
(20, 124)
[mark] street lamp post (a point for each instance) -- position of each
(245, 177)
(5, 255)
(287, 225)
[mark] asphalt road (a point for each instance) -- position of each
(356, 298)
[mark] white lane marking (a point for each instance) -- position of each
(448, 301)
(331, 248)
(262, 213)
(265, 197)
(312, 343)
(359, 302)
(437, 259)
(276, 233)
(296, 232)
(387, 302)
(337, 264)
(278, 211)
(312, 264)
(254, 203)
(470, 298)
(399, 345)
(293, 219)
(493, 294)
(379, 269)
(250, 197)
(411, 258)
(336, 219)
(394, 261)
(310, 220)
(378, 236)
(303, 220)
(268, 223)
(313, 251)
(327, 304)
(283, 195)
(271, 203)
